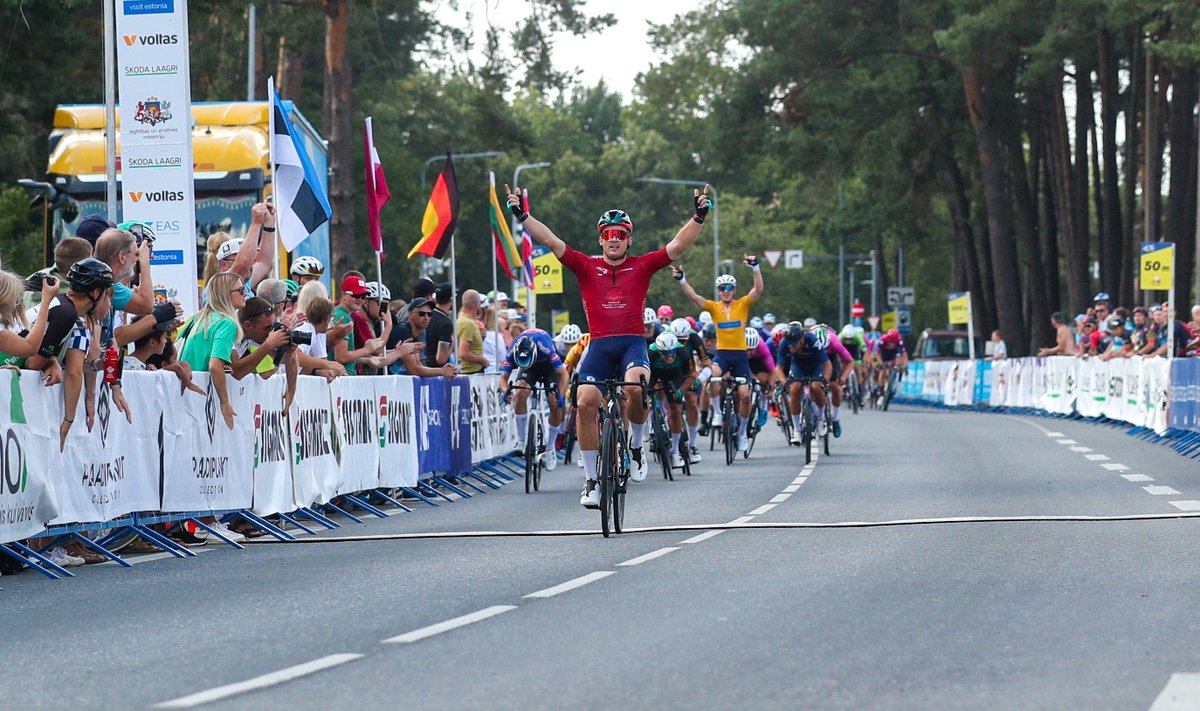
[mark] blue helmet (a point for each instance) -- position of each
(524, 352)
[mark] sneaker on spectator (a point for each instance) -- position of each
(189, 535)
(89, 556)
(222, 530)
(590, 498)
(60, 557)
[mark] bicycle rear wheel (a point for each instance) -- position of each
(806, 429)
(852, 391)
(609, 466)
(752, 427)
(828, 427)
(662, 441)
(533, 461)
(569, 437)
(729, 434)
(685, 451)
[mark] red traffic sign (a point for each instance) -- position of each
(772, 256)
(857, 310)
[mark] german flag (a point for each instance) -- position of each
(437, 226)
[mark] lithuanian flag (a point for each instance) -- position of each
(437, 226)
(506, 248)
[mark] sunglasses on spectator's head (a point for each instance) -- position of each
(725, 288)
(614, 235)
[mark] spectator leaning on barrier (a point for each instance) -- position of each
(19, 340)
(1064, 342)
(441, 326)
(1102, 310)
(89, 284)
(119, 250)
(1114, 344)
(999, 349)
(493, 342)
(314, 355)
(408, 355)
(470, 339)
(344, 351)
(267, 346)
(209, 337)
(376, 310)
(150, 351)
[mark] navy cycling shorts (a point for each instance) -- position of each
(734, 363)
(612, 356)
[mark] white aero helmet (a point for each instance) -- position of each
(681, 328)
(705, 317)
(649, 316)
(726, 280)
(570, 334)
(847, 332)
(752, 338)
(666, 341)
(777, 331)
(307, 266)
(756, 322)
(810, 322)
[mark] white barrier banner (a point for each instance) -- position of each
(27, 501)
(1156, 380)
(273, 488)
(1093, 388)
(315, 472)
(209, 467)
(1001, 372)
(493, 428)
(398, 431)
(112, 469)
(356, 416)
(1059, 395)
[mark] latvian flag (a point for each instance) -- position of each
(301, 205)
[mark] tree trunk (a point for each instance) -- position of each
(1050, 243)
(1085, 120)
(337, 124)
(1132, 161)
(1037, 315)
(1108, 190)
(1062, 180)
(964, 236)
(1003, 248)
(1181, 207)
(289, 71)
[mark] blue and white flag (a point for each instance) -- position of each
(301, 205)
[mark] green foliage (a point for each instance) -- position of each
(20, 233)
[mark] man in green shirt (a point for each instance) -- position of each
(354, 290)
(470, 340)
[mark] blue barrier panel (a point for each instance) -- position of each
(1185, 394)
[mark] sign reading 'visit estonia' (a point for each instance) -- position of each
(157, 184)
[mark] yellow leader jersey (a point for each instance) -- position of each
(731, 322)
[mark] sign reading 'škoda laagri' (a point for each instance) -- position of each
(156, 169)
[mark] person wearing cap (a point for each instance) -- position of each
(406, 355)
(252, 258)
(1088, 338)
(470, 338)
(346, 351)
(1102, 310)
(441, 326)
(91, 227)
(1064, 341)
(501, 300)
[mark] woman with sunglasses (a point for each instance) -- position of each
(731, 317)
(613, 286)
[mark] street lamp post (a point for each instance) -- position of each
(425, 168)
(516, 229)
(716, 219)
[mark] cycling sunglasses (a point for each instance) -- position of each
(725, 288)
(614, 235)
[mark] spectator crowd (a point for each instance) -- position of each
(1106, 332)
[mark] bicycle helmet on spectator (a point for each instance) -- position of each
(570, 334)
(89, 274)
(1102, 296)
(752, 338)
(756, 322)
(665, 311)
(143, 230)
(307, 266)
(822, 337)
(524, 351)
(292, 288)
(666, 342)
(769, 319)
(681, 328)
(385, 294)
(615, 219)
(649, 317)
(726, 280)
(373, 291)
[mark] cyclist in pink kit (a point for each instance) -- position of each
(613, 287)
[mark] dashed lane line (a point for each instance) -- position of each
(1186, 505)
(1114, 467)
(780, 498)
(647, 557)
(1081, 448)
(1160, 491)
(572, 584)
(447, 625)
(762, 509)
(1136, 477)
(1096, 457)
(791, 489)
(258, 682)
(740, 520)
(1067, 441)
(703, 537)
(1182, 693)
(1055, 435)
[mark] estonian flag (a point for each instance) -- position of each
(437, 226)
(301, 205)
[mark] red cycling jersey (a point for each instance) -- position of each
(614, 297)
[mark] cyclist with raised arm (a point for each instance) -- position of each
(613, 286)
(799, 359)
(731, 316)
(536, 361)
(699, 366)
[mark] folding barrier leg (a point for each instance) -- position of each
(433, 490)
(164, 542)
(361, 503)
(213, 532)
(497, 472)
(462, 479)
(297, 524)
(419, 495)
(390, 500)
(264, 525)
(37, 561)
(452, 487)
(102, 550)
(344, 512)
(319, 518)
(474, 474)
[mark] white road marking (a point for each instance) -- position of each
(135, 559)
(1114, 467)
(1182, 693)
(1055, 435)
(258, 682)
(1096, 457)
(762, 509)
(649, 556)
(703, 536)
(791, 489)
(740, 520)
(1186, 505)
(446, 626)
(799, 480)
(1136, 477)
(572, 584)
(1081, 449)
(780, 498)
(1160, 491)
(1067, 441)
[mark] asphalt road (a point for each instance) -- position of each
(942, 613)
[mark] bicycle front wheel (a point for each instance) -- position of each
(610, 466)
(532, 461)
(806, 429)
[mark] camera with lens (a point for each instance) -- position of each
(300, 338)
(34, 281)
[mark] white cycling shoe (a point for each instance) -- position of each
(676, 460)
(549, 461)
(637, 472)
(590, 498)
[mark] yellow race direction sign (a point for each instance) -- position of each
(1158, 265)
(959, 307)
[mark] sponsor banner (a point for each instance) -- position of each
(356, 420)
(273, 488)
(209, 467)
(112, 468)
(27, 500)
(459, 391)
(1059, 394)
(397, 430)
(1155, 388)
(156, 164)
(316, 475)
(493, 428)
(433, 425)
(1185, 394)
